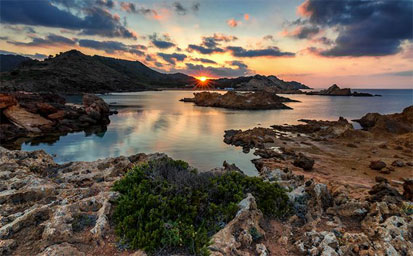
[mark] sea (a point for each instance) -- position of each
(156, 121)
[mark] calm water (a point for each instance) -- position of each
(158, 122)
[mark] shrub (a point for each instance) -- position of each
(165, 206)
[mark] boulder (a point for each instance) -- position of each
(95, 107)
(397, 163)
(22, 118)
(304, 162)
(408, 189)
(377, 165)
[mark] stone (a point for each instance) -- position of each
(304, 162)
(397, 163)
(59, 115)
(63, 249)
(29, 121)
(377, 165)
(408, 189)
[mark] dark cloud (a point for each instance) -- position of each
(93, 21)
(323, 40)
(304, 32)
(203, 60)
(173, 57)
(132, 8)
(217, 71)
(238, 51)
(112, 46)
(4, 38)
(51, 39)
(238, 64)
(106, 3)
(162, 43)
(210, 44)
(268, 37)
(203, 50)
(365, 28)
(20, 29)
(180, 9)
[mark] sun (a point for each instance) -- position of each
(202, 78)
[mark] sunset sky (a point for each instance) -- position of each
(354, 43)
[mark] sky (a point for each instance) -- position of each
(353, 43)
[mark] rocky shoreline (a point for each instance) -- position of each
(343, 204)
(334, 90)
(34, 115)
(259, 100)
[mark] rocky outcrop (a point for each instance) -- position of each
(334, 90)
(52, 209)
(32, 114)
(398, 123)
(258, 83)
(243, 101)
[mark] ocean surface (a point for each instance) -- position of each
(156, 121)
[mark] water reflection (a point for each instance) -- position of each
(158, 122)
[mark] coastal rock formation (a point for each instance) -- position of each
(334, 90)
(49, 208)
(34, 114)
(243, 101)
(259, 83)
(398, 123)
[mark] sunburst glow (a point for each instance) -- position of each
(202, 78)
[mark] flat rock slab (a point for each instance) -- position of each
(21, 117)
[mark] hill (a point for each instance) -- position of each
(258, 82)
(9, 62)
(74, 72)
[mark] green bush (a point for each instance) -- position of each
(165, 206)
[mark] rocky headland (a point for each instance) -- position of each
(258, 100)
(259, 83)
(34, 115)
(334, 90)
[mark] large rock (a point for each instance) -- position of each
(235, 100)
(304, 162)
(29, 121)
(398, 123)
(95, 107)
(334, 90)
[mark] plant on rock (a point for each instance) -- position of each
(166, 206)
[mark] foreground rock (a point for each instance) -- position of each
(48, 209)
(334, 90)
(398, 123)
(235, 100)
(32, 115)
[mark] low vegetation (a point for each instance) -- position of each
(165, 206)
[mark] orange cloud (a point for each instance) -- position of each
(232, 23)
(302, 9)
(246, 16)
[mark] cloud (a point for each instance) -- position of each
(233, 23)
(303, 32)
(365, 28)
(49, 40)
(204, 50)
(238, 64)
(408, 73)
(172, 58)
(210, 44)
(112, 46)
(164, 43)
(182, 10)
(106, 3)
(20, 29)
(238, 51)
(132, 8)
(203, 60)
(94, 20)
(246, 16)
(268, 37)
(216, 71)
